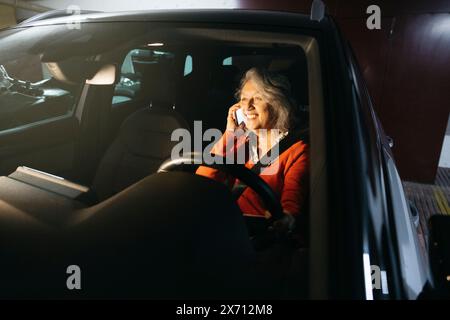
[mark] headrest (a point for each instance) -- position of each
(158, 83)
(297, 74)
(147, 132)
(226, 76)
(229, 71)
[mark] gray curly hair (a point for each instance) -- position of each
(276, 91)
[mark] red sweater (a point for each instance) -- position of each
(288, 176)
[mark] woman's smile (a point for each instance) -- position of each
(251, 116)
(255, 108)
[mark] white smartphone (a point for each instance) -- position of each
(239, 116)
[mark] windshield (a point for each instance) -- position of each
(43, 69)
(51, 73)
(90, 112)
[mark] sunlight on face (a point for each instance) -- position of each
(256, 109)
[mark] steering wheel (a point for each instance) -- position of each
(191, 161)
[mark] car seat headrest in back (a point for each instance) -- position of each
(147, 132)
(158, 83)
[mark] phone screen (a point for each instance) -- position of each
(239, 116)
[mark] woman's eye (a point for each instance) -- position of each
(258, 98)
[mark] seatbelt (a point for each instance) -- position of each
(282, 146)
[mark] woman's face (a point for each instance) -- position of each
(256, 109)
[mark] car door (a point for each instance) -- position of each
(406, 263)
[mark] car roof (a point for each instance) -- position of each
(235, 16)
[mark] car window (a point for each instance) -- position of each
(29, 94)
(188, 65)
(136, 66)
(227, 61)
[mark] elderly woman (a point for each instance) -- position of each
(264, 98)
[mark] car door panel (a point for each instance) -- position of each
(48, 146)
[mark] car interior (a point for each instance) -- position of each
(82, 137)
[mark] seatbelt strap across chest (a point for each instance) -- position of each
(282, 146)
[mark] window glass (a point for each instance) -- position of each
(227, 61)
(188, 65)
(137, 66)
(32, 91)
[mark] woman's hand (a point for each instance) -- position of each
(231, 121)
(284, 226)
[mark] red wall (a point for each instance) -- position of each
(407, 68)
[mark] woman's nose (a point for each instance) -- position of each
(249, 105)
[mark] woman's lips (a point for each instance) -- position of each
(251, 116)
